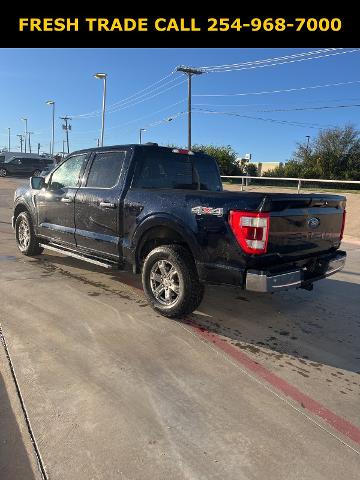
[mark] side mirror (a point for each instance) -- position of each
(37, 183)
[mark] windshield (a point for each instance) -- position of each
(177, 171)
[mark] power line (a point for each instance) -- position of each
(285, 90)
(133, 98)
(322, 107)
(272, 59)
(254, 65)
(134, 103)
(122, 103)
(273, 120)
(133, 121)
(137, 97)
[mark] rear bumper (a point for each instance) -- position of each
(265, 281)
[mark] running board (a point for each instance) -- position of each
(78, 256)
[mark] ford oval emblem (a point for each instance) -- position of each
(313, 222)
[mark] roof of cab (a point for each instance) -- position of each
(121, 147)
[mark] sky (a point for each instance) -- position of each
(267, 125)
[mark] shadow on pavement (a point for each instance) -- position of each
(14, 461)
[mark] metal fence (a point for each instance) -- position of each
(300, 181)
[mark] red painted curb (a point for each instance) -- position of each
(339, 423)
(306, 402)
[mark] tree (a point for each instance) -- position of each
(251, 169)
(225, 156)
(333, 154)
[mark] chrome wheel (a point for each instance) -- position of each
(23, 234)
(164, 282)
(2, 172)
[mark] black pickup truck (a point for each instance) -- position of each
(163, 212)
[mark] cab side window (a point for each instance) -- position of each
(68, 174)
(105, 170)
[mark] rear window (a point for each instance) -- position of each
(177, 171)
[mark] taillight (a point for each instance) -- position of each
(343, 225)
(251, 230)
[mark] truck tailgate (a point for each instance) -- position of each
(305, 225)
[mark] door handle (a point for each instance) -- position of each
(107, 205)
(67, 200)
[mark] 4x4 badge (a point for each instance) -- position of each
(218, 212)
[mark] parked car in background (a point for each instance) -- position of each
(48, 167)
(24, 165)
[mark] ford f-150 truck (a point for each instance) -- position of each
(162, 212)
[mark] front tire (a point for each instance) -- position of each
(37, 173)
(26, 239)
(3, 172)
(170, 281)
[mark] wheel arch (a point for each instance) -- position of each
(163, 231)
(19, 208)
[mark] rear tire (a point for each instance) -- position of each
(3, 172)
(26, 239)
(170, 281)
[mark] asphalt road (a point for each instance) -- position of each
(250, 386)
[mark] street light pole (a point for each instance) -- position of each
(140, 134)
(26, 132)
(189, 72)
(102, 76)
(52, 103)
(9, 143)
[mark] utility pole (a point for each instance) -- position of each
(39, 146)
(9, 142)
(29, 136)
(66, 127)
(21, 141)
(307, 145)
(189, 72)
(26, 131)
(140, 134)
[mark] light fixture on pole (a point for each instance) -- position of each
(140, 134)
(52, 103)
(26, 131)
(102, 76)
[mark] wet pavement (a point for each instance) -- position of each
(114, 390)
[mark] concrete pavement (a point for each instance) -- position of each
(114, 390)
